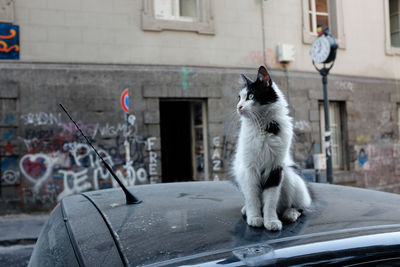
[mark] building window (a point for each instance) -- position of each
(392, 26)
(325, 13)
(398, 117)
(185, 10)
(178, 15)
(394, 17)
(336, 118)
(318, 14)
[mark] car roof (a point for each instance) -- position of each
(181, 222)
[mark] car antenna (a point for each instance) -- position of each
(130, 198)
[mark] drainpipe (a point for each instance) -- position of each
(263, 32)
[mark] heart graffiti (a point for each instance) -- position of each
(36, 168)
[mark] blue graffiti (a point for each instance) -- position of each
(8, 135)
(184, 78)
(9, 119)
(8, 163)
(362, 156)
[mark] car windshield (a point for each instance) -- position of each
(197, 90)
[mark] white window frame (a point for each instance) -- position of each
(335, 128)
(203, 24)
(176, 12)
(390, 50)
(335, 18)
(205, 142)
(313, 12)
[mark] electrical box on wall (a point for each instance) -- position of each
(319, 161)
(7, 11)
(285, 53)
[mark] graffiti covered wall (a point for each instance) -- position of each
(55, 161)
(43, 158)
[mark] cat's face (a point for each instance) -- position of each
(256, 95)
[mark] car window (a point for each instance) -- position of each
(53, 248)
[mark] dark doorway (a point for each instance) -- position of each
(176, 156)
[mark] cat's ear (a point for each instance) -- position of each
(263, 76)
(246, 80)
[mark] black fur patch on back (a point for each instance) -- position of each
(274, 178)
(273, 127)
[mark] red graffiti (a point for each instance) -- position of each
(9, 149)
(12, 34)
(257, 57)
(36, 167)
(4, 47)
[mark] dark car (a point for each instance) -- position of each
(199, 223)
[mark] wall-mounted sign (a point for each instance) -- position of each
(9, 41)
(125, 100)
(7, 11)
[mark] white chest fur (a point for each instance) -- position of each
(257, 148)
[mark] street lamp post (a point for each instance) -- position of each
(323, 50)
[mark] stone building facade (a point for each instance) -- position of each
(182, 77)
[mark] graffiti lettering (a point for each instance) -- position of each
(153, 156)
(343, 85)
(38, 168)
(41, 118)
(79, 183)
(216, 155)
(53, 163)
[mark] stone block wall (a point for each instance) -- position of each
(43, 157)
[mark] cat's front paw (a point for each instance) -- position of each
(291, 215)
(255, 221)
(273, 225)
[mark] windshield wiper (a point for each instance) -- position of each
(130, 198)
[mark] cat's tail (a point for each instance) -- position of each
(298, 170)
(297, 191)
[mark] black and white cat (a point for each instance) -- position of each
(263, 166)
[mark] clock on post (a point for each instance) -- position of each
(323, 51)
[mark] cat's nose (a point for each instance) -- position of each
(240, 107)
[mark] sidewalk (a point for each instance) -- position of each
(21, 228)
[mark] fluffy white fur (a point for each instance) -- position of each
(258, 150)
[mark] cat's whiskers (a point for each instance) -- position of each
(257, 119)
(262, 121)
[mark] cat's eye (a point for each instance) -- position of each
(250, 96)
